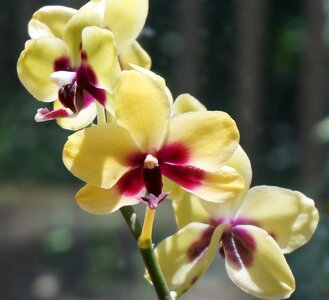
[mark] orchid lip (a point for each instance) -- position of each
(62, 78)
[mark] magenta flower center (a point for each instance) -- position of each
(78, 89)
(236, 243)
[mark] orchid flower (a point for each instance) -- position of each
(251, 232)
(124, 160)
(124, 18)
(72, 58)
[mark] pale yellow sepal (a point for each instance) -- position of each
(269, 276)
(289, 216)
(143, 108)
(174, 190)
(135, 54)
(186, 103)
(211, 137)
(50, 21)
(125, 19)
(36, 64)
(189, 209)
(100, 201)
(98, 155)
(180, 271)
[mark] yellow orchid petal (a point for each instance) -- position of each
(100, 201)
(262, 271)
(101, 52)
(241, 163)
(125, 19)
(160, 80)
(142, 106)
(81, 120)
(50, 21)
(187, 103)
(134, 54)
(189, 209)
(211, 137)
(289, 216)
(36, 63)
(185, 256)
(99, 155)
(91, 14)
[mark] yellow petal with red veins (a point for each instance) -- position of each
(91, 14)
(220, 186)
(36, 63)
(143, 108)
(50, 21)
(211, 137)
(267, 274)
(79, 121)
(99, 155)
(135, 54)
(185, 256)
(101, 56)
(289, 216)
(125, 19)
(186, 103)
(100, 201)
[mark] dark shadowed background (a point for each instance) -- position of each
(264, 62)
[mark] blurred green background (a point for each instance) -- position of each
(264, 62)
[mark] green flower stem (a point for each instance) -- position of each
(148, 255)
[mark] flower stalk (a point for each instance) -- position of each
(147, 251)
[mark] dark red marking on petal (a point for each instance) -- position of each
(216, 221)
(199, 246)
(88, 99)
(239, 247)
(131, 183)
(243, 221)
(84, 55)
(188, 177)
(175, 153)
(62, 64)
(98, 93)
(136, 159)
(153, 180)
(85, 74)
(87, 80)
(44, 114)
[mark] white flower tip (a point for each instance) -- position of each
(62, 78)
(41, 112)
